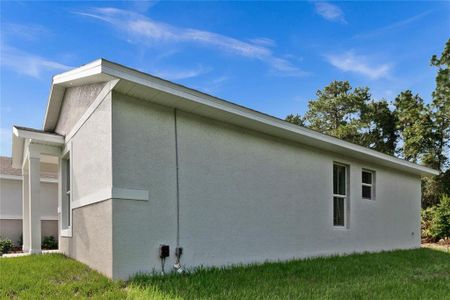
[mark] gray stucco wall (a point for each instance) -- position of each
(143, 156)
(91, 153)
(244, 196)
(91, 241)
(75, 102)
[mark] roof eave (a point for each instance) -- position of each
(86, 74)
(20, 135)
(103, 70)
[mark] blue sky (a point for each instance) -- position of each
(269, 56)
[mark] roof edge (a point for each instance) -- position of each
(20, 134)
(101, 67)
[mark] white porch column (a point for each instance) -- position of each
(34, 163)
(25, 210)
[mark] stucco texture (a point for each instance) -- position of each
(75, 102)
(244, 196)
(91, 241)
(144, 159)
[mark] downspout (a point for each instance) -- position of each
(178, 249)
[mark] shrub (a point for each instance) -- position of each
(426, 222)
(440, 226)
(6, 245)
(49, 243)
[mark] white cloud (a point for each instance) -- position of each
(394, 26)
(172, 74)
(29, 32)
(330, 12)
(350, 62)
(145, 30)
(265, 42)
(28, 64)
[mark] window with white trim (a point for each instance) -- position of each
(340, 197)
(66, 192)
(368, 184)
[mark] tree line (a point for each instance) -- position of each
(406, 127)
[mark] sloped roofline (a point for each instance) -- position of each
(102, 70)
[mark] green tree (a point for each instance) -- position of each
(295, 119)
(437, 156)
(379, 131)
(413, 124)
(440, 112)
(336, 111)
(352, 115)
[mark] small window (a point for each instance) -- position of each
(68, 188)
(368, 180)
(66, 192)
(339, 195)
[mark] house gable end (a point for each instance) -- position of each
(75, 102)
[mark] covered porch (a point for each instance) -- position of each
(35, 152)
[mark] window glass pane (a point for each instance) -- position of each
(335, 179)
(367, 177)
(68, 195)
(339, 183)
(367, 192)
(68, 175)
(68, 210)
(338, 211)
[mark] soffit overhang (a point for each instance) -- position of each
(150, 88)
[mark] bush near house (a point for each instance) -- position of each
(436, 221)
(49, 243)
(6, 245)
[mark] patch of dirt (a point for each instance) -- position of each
(442, 245)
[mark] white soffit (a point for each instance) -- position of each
(148, 87)
(21, 134)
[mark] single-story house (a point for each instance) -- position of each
(148, 167)
(11, 201)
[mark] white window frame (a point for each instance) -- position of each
(345, 197)
(66, 193)
(371, 185)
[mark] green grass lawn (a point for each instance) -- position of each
(411, 274)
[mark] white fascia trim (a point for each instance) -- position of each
(144, 79)
(19, 178)
(115, 70)
(39, 136)
(111, 193)
(89, 69)
(19, 217)
(98, 100)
